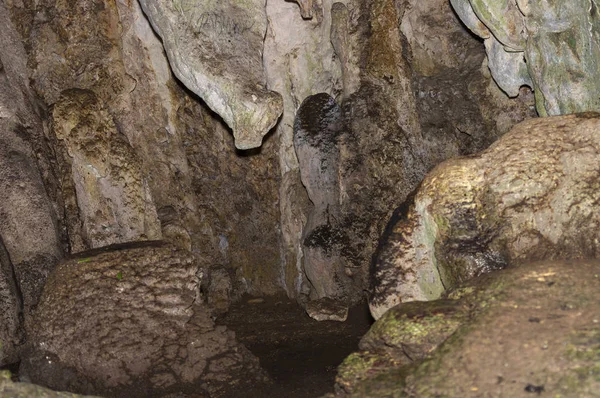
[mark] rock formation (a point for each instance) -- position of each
(111, 193)
(216, 49)
(551, 46)
(530, 196)
(530, 328)
(130, 319)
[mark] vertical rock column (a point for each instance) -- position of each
(318, 124)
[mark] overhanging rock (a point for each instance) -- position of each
(215, 48)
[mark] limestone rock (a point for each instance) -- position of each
(215, 48)
(28, 227)
(551, 46)
(326, 309)
(10, 307)
(316, 130)
(185, 152)
(111, 191)
(530, 196)
(511, 325)
(11, 389)
(128, 320)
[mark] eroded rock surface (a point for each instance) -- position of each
(28, 228)
(531, 328)
(8, 388)
(551, 46)
(111, 192)
(129, 320)
(530, 196)
(215, 48)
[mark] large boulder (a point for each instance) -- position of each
(130, 321)
(532, 195)
(528, 329)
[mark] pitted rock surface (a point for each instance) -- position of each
(531, 328)
(111, 192)
(215, 48)
(532, 195)
(11, 332)
(11, 389)
(128, 321)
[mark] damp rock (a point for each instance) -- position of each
(215, 48)
(530, 196)
(127, 320)
(11, 333)
(327, 309)
(498, 334)
(317, 128)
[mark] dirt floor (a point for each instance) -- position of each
(299, 353)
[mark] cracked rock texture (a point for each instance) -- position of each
(104, 174)
(531, 195)
(551, 46)
(130, 319)
(530, 328)
(215, 48)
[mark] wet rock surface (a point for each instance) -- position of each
(529, 196)
(528, 329)
(129, 321)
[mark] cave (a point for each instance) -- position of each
(311, 198)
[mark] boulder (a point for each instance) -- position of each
(10, 388)
(129, 320)
(531, 195)
(532, 328)
(11, 306)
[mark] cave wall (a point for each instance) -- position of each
(127, 152)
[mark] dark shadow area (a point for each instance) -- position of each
(300, 354)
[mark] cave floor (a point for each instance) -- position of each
(300, 354)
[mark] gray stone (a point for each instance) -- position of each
(128, 320)
(216, 49)
(530, 196)
(558, 41)
(326, 309)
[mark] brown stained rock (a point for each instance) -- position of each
(111, 192)
(532, 328)
(127, 320)
(530, 196)
(29, 233)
